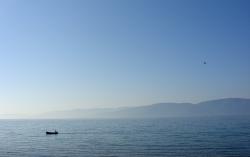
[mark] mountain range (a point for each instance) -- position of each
(219, 107)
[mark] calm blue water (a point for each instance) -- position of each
(187, 137)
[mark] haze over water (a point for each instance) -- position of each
(63, 55)
(165, 78)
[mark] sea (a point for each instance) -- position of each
(163, 137)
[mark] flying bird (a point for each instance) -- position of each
(204, 62)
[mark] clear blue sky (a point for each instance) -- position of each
(57, 55)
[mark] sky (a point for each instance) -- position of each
(62, 54)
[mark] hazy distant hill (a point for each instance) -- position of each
(228, 106)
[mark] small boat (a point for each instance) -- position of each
(51, 132)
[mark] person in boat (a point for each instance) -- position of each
(49, 132)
